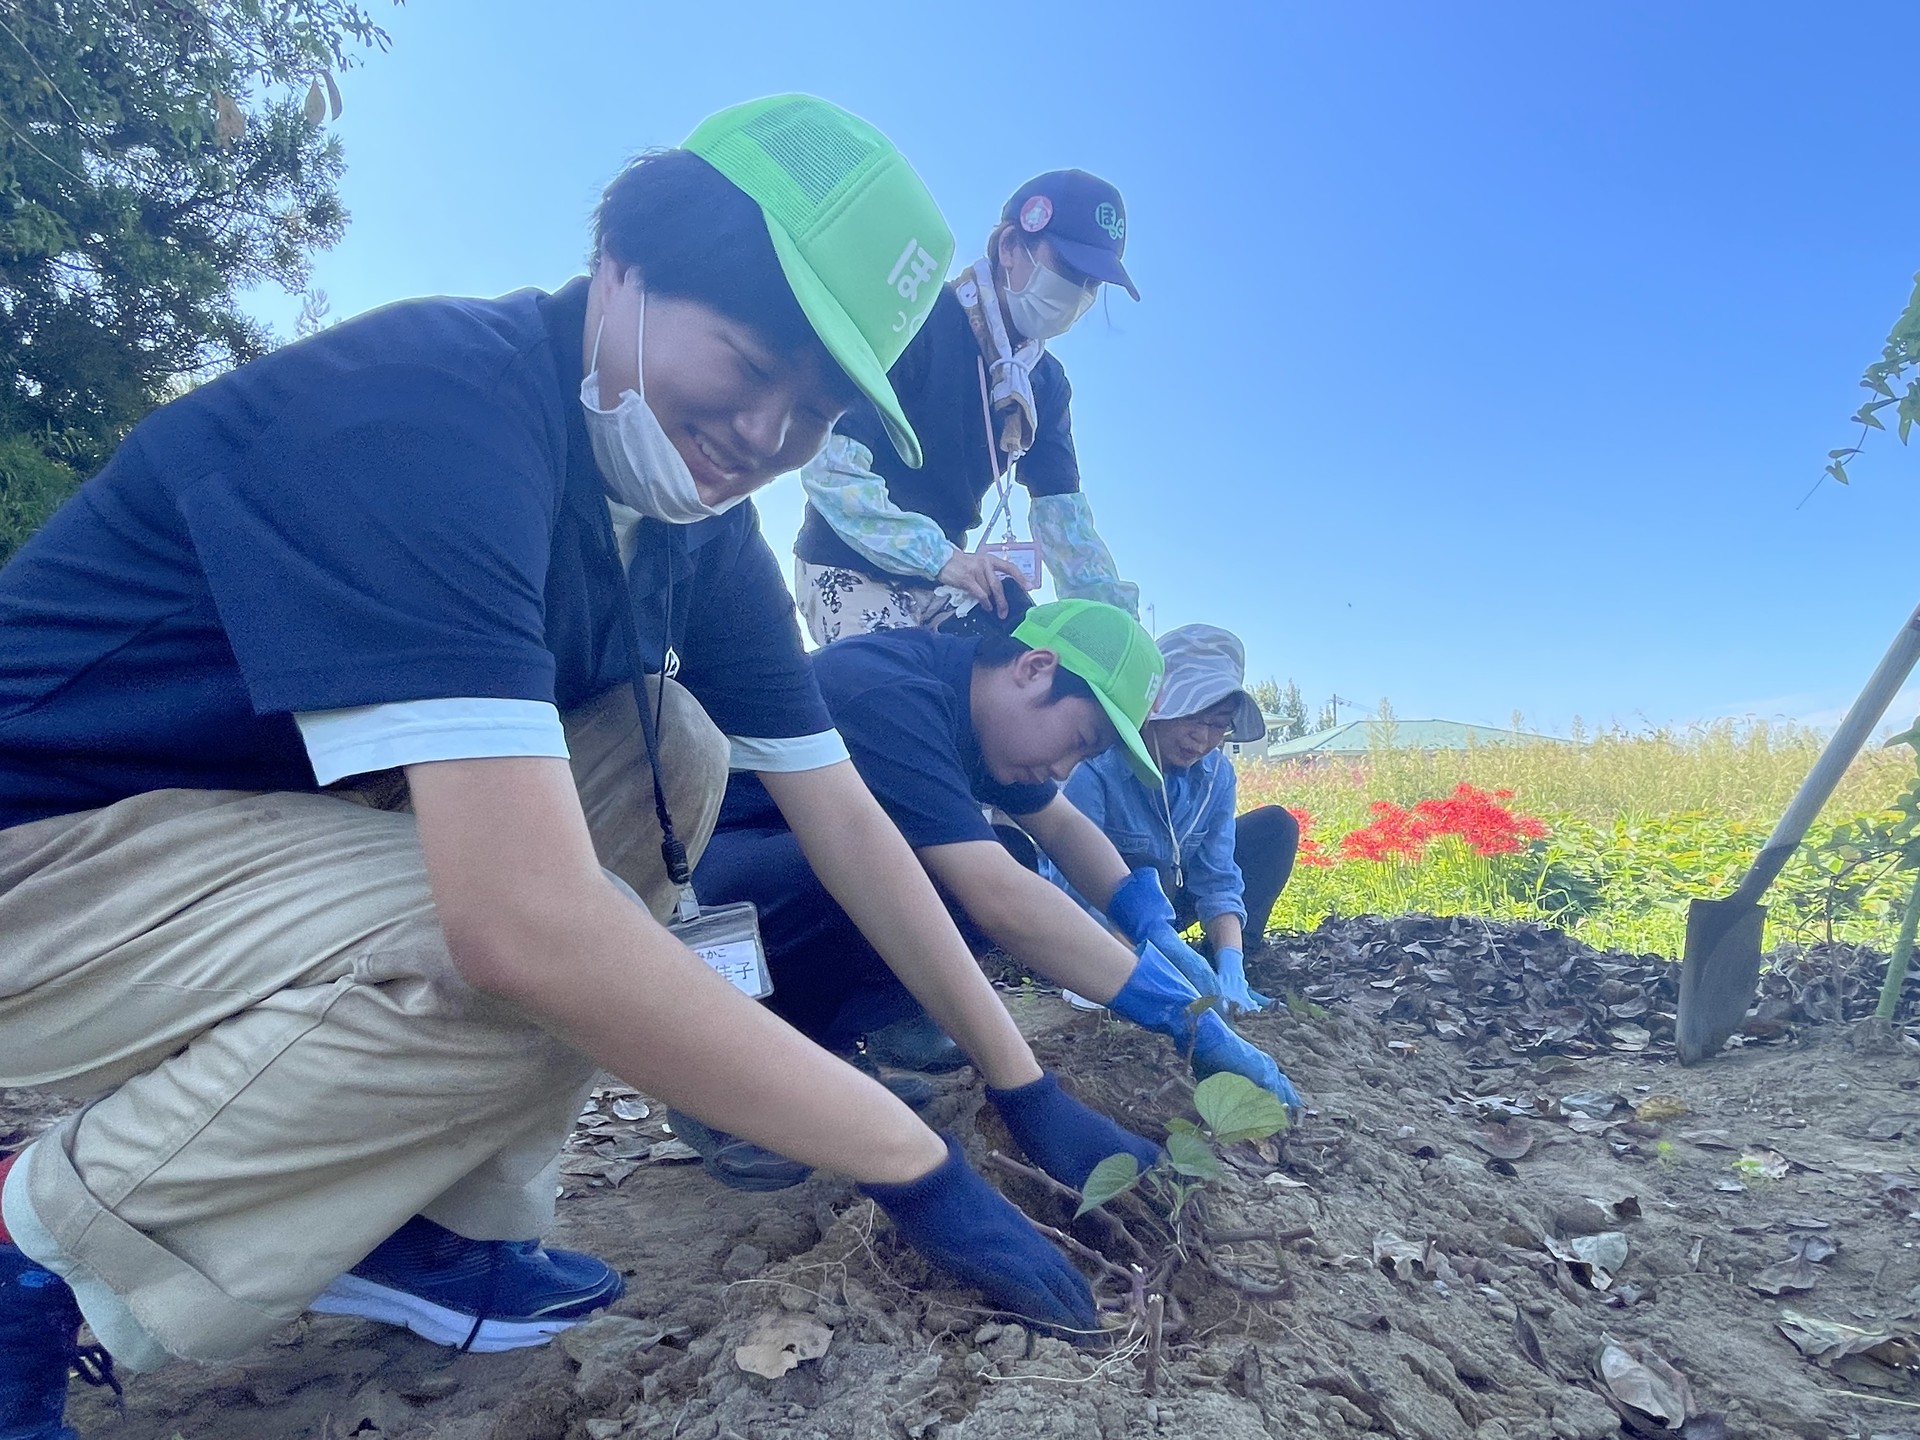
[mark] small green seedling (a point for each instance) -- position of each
(1302, 1008)
(1231, 1108)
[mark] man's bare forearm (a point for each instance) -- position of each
(529, 915)
(1079, 849)
(1224, 931)
(1036, 922)
(862, 859)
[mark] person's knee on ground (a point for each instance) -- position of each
(324, 980)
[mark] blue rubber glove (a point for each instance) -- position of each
(1156, 997)
(1234, 993)
(1063, 1137)
(1141, 911)
(973, 1232)
(1217, 1048)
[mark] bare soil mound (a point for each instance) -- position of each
(1509, 1215)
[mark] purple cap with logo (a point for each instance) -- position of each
(1082, 215)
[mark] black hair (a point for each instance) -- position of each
(996, 652)
(697, 236)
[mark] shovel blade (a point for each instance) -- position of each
(1718, 974)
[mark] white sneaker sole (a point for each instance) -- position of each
(352, 1295)
(1079, 1001)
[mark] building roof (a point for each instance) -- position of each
(1357, 737)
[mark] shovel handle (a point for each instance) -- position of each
(1841, 749)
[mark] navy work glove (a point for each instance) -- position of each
(1063, 1137)
(973, 1232)
(1234, 991)
(1141, 911)
(1156, 997)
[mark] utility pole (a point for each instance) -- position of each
(1336, 702)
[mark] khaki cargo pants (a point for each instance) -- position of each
(256, 988)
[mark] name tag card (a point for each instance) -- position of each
(1023, 553)
(727, 937)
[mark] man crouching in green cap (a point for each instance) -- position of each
(356, 724)
(938, 726)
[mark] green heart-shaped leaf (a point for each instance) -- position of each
(1237, 1109)
(1113, 1176)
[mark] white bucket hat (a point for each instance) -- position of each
(1205, 665)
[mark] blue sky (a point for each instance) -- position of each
(1486, 353)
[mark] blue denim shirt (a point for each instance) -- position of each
(1135, 817)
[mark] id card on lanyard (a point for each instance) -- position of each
(727, 937)
(1024, 554)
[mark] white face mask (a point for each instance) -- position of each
(1049, 305)
(640, 465)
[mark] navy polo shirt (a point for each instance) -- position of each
(937, 378)
(902, 701)
(402, 507)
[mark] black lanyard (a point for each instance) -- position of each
(672, 852)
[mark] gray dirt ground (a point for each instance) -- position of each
(1429, 1340)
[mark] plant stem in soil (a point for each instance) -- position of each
(1902, 953)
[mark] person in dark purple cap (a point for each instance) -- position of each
(884, 547)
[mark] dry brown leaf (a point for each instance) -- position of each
(1595, 1103)
(1710, 1139)
(1631, 1038)
(1645, 1383)
(1402, 1259)
(1798, 1273)
(1591, 1259)
(781, 1341)
(1525, 1336)
(1587, 1125)
(1826, 1342)
(1504, 1142)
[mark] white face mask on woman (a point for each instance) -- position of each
(1049, 305)
(639, 463)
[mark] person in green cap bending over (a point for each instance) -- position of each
(940, 725)
(357, 724)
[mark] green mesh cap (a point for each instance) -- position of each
(1105, 647)
(861, 241)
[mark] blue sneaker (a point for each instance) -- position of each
(39, 1346)
(481, 1295)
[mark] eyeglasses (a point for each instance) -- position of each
(1210, 724)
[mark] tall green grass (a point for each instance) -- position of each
(1640, 824)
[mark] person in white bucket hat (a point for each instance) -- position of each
(1222, 869)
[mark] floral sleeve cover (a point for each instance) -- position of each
(1078, 558)
(841, 485)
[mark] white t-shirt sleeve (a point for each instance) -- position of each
(802, 752)
(366, 738)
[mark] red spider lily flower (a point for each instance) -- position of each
(1395, 834)
(1475, 817)
(1309, 852)
(1487, 826)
